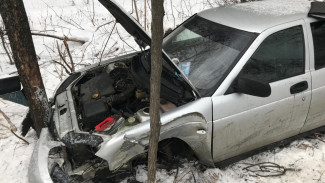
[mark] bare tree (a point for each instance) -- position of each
(16, 23)
(155, 78)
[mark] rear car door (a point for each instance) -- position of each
(243, 122)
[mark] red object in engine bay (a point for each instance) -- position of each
(104, 124)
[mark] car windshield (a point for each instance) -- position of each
(206, 51)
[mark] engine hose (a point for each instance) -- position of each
(121, 97)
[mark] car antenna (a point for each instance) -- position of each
(101, 55)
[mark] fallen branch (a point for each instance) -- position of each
(19, 137)
(58, 37)
(5, 126)
(54, 36)
(320, 177)
(12, 126)
(267, 169)
(318, 136)
(12, 131)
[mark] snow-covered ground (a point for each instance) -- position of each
(76, 19)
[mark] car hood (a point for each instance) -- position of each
(140, 35)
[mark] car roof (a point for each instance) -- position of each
(259, 15)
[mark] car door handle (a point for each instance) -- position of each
(299, 87)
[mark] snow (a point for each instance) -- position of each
(276, 7)
(76, 19)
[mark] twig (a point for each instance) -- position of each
(12, 130)
(5, 126)
(103, 25)
(124, 40)
(101, 56)
(184, 176)
(61, 56)
(320, 177)
(136, 10)
(5, 47)
(65, 68)
(12, 126)
(318, 135)
(176, 175)
(267, 169)
(145, 15)
(68, 50)
(19, 137)
(193, 176)
(75, 25)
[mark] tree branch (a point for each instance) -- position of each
(62, 57)
(12, 126)
(58, 37)
(68, 50)
(5, 47)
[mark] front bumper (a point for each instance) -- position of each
(38, 171)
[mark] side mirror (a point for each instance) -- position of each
(168, 31)
(8, 85)
(253, 87)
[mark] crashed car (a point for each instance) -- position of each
(234, 82)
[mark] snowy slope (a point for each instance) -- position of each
(76, 19)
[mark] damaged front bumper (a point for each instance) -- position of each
(39, 165)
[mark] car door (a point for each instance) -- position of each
(316, 115)
(243, 122)
(10, 89)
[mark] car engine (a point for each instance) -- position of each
(112, 98)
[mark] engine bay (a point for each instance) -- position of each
(115, 97)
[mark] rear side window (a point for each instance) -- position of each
(318, 30)
(280, 56)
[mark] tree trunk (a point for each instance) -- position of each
(15, 19)
(155, 77)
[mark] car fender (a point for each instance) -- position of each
(191, 123)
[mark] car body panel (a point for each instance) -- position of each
(183, 122)
(247, 122)
(316, 115)
(38, 168)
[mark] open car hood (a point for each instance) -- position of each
(140, 35)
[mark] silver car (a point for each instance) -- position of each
(235, 81)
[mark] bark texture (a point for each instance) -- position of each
(155, 78)
(16, 23)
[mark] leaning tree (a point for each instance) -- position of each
(17, 28)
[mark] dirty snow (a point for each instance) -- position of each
(76, 19)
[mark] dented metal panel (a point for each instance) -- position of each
(183, 123)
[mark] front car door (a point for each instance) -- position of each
(242, 122)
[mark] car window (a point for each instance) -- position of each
(280, 56)
(318, 30)
(206, 51)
